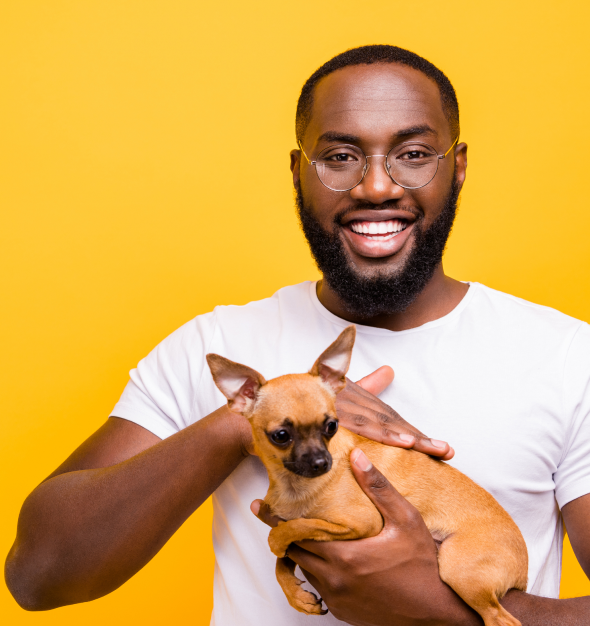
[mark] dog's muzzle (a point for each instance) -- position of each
(311, 464)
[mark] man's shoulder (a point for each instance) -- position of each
(292, 299)
(515, 305)
(526, 318)
(233, 321)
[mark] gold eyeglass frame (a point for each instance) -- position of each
(385, 164)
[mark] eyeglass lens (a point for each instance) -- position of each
(411, 165)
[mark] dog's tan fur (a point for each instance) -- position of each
(482, 553)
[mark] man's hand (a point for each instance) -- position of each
(388, 579)
(360, 411)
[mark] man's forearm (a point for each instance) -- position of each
(82, 534)
(537, 611)
(530, 610)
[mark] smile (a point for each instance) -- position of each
(371, 234)
(378, 231)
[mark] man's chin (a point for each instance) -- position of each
(368, 285)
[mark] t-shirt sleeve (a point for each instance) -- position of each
(160, 393)
(572, 478)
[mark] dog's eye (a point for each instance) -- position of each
(331, 428)
(281, 437)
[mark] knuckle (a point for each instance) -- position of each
(360, 420)
(397, 417)
(387, 433)
(346, 559)
(379, 482)
(337, 586)
(383, 418)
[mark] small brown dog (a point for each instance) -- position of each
(296, 435)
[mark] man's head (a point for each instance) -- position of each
(376, 98)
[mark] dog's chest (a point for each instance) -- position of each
(288, 503)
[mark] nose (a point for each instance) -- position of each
(319, 462)
(377, 186)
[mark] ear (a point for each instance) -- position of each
(238, 383)
(334, 361)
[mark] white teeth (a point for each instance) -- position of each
(389, 228)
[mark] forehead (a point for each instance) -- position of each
(378, 99)
(298, 397)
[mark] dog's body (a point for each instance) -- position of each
(482, 553)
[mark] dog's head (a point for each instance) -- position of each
(293, 417)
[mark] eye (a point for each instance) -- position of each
(341, 158)
(330, 428)
(414, 154)
(340, 155)
(280, 437)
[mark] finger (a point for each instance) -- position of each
(306, 560)
(373, 409)
(434, 447)
(262, 512)
(377, 381)
(375, 425)
(314, 582)
(370, 429)
(381, 428)
(394, 508)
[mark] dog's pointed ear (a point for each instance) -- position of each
(334, 361)
(240, 384)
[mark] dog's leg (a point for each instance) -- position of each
(480, 581)
(300, 529)
(303, 601)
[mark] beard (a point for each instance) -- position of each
(385, 292)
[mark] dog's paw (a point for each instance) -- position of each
(306, 602)
(278, 542)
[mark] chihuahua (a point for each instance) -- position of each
(482, 553)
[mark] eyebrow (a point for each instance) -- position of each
(422, 129)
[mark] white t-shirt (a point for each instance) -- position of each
(504, 381)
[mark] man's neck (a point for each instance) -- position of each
(440, 296)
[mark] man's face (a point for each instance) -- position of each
(376, 107)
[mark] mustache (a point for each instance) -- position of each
(361, 206)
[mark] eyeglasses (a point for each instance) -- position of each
(410, 165)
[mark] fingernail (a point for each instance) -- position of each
(407, 438)
(361, 461)
(255, 507)
(438, 444)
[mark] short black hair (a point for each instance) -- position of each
(366, 55)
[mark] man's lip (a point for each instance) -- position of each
(378, 215)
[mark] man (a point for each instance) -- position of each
(378, 173)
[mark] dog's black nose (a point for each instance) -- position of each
(319, 464)
(311, 463)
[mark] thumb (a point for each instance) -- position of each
(377, 381)
(394, 508)
(264, 514)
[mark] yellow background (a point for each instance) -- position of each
(144, 179)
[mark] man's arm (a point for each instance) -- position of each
(393, 578)
(107, 511)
